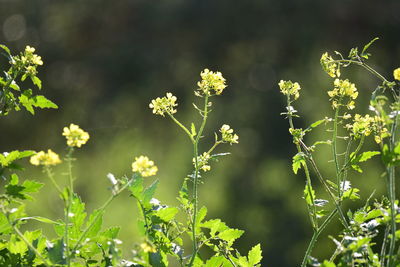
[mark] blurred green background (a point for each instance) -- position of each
(105, 61)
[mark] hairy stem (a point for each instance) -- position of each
(195, 178)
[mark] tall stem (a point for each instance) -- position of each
(334, 152)
(68, 204)
(195, 178)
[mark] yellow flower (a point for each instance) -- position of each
(211, 83)
(329, 66)
(43, 158)
(202, 162)
(147, 248)
(343, 88)
(144, 166)
(396, 74)
(76, 137)
(163, 105)
(289, 88)
(228, 135)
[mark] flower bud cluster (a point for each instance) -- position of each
(212, 83)
(144, 166)
(289, 88)
(329, 65)
(202, 162)
(227, 135)
(164, 104)
(27, 61)
(46, 159)
(343, 89)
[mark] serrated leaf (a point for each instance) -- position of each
(298, 161)
(148, 193)
(167, 214)
(230, 235)
(367, 155)
(96, 220)
(41, 101)
(200, 216)
(136, 187)
(215, 225)
(55, 251)
(36, 81)
(351, 194)
(215, 261)
(356, 168)
(309, 198)
(254, 255)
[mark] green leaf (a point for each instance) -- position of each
(5, 48)
(327, 263)
(367, 155)
(41, 219)
(309, 198)
(55, 251)
(167, 214)
(216, 261)
(298, 161)
(215, 225)
(36, 81)
(76, 216)
(230, 235)
(315, 124)
(363, 52)
(254, 255)
(96, 220)
(148, 193)
(136, 187)
(5, 227)
(352, 194)
(200, 217)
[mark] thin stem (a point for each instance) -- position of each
(68, 203)
(195, 179)
(334, 152)
(392, 196)
(50, 175)
(182, 126)
(101, 210)
(316, 235)
(18, 232)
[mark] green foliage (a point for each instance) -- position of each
(369, 236)
(81, 240)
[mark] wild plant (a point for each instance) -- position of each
(369, 236)
(80, 238)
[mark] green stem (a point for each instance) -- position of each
(68, 203)
(101, 211)
(313, 217)
(334, 152)
(315, 237)
(182, 126)
(20, 235)
(50, 175)
(195, 179)
(392, 196)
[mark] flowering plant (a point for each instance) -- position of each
(369, 236)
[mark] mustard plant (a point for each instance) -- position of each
(80, 238)
(369, 236)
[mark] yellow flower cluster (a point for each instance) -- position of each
(43, 158)
(211, 83)
(30, 58)
(144, 166)
(227, 135)
(27, 61)
(396, 74)
(76, 137)
(163, 105)
(365, 125)
(147, 248)
(329, 65)
(289, 88)
(202, 162)
(343, 88)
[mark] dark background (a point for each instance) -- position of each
(105, 60)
